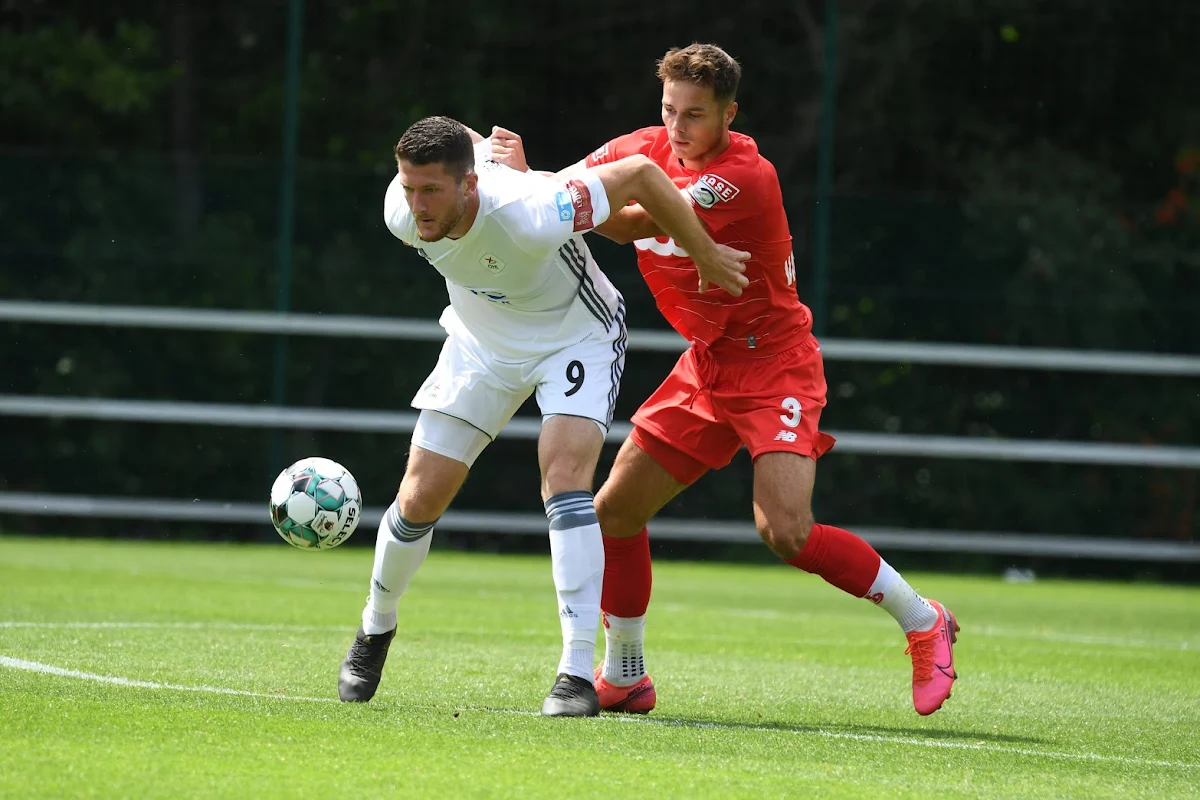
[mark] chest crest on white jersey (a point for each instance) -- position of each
(491, 263)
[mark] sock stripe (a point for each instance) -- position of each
(567, 521)
(402, 529)
(567, 510)
(576, 507)
(576, 496)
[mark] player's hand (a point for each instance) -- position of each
(507, 149)
(724, 267)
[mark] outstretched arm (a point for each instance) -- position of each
(638, 179)
(626, 223)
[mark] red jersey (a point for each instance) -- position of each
(738, 198)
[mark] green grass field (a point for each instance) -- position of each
(168, 670)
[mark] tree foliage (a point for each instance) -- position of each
(1019, 173)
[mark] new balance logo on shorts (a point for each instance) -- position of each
(785, 436)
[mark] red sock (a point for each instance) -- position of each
(838, 556)
(627, 575)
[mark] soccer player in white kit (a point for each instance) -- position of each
(530, 312)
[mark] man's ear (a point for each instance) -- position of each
(730, 112)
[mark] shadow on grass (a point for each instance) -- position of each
(836, 730)
(833, 730)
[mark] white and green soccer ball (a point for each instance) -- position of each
(315, 504)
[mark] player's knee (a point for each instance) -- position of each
(616, 519)
(568, 472)
(786, 533)
(419, 500)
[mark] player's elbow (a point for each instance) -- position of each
(629, 179)
(642, 173)
(641, 168)
(632, 173)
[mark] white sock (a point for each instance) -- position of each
(893, 594)
(400, 550)
(624, 663)
(577, 557)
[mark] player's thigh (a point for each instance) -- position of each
(774, 404)
(582, 380)
(568, 449)
(432, 479)
(783, 488)
(678, 425)
(470, 384)
(637, 488)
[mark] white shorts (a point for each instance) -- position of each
(472, 384)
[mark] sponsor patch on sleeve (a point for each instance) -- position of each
(600, 154)
(565, 211)
(581, 205)
(710, 189)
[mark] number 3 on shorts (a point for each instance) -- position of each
(792, 406)
(575, 376)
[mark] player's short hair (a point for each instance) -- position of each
(703, 65)
(438, 140)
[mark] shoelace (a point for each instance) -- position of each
(920, 647)
(566, 690)
(364, 658)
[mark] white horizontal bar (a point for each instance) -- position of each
(514, 523)
(266, 416)
(426, 330)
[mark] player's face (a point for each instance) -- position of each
(438, 201)
(696, 123)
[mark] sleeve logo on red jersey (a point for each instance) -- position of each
(581, 201)
(600, 154)
(710, 189)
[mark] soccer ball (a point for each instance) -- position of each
(315, 504)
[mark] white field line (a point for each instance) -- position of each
(47, 669)
(192, 626)
(1083, 638)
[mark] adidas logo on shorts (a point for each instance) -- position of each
(785, 436)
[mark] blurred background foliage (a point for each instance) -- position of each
(1006, 172)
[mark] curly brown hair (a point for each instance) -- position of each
(703, 65)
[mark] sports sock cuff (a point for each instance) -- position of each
(615, 546)
(812, 556)
(840, 557)
(571, 510)
(404, 530)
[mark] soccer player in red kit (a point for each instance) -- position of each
(753, 376)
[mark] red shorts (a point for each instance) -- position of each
(708, 408)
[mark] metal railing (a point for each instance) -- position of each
(335, 419)
(267, 416)
(1111, 362)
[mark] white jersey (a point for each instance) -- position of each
(521, 281)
